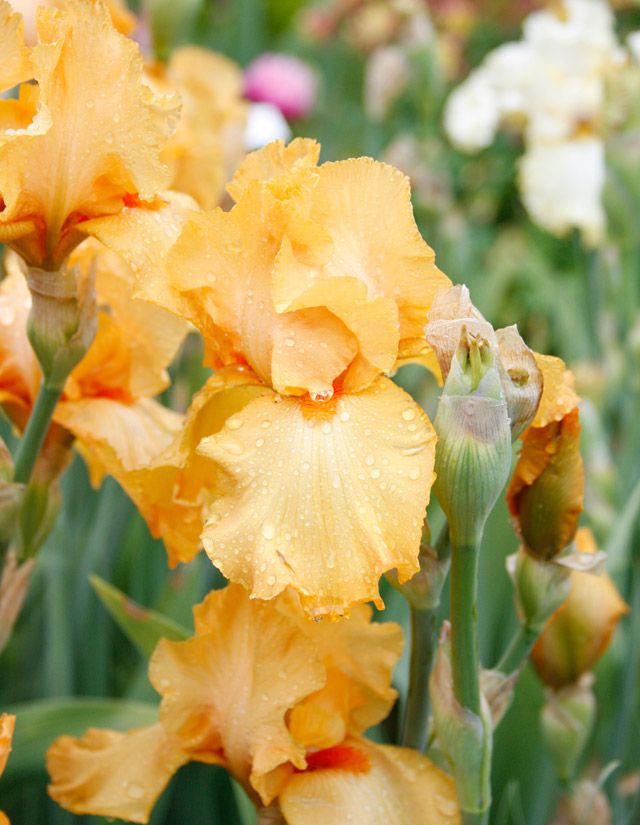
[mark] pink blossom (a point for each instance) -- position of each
(284, 81)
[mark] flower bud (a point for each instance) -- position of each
(39, 510)
(567, 720)
(473, 454)
(579, 631)
(540, 588)
(545, 494)
(170, 22)
(63, 320)
(464, 737)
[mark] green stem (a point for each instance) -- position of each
(416, 718)
(35, 432)
(518, 650)
(468, 818)
(465, 663)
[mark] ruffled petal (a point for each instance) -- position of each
(150, 334)
(323, 497)
(15, 63)
(174, 488)
(119, 435)
(207, 145)
(226, 691)
(112, 774)
(101, 149)
(365, 652)
(274, 160)
(368, 784)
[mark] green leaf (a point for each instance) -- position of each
(141, 626)
(39, 723)
(246, 810)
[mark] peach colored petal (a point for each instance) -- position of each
(19, 368)
(7, 724)
(101, 148)
(120, 435)
(371, 785)
(112, 774)
(365, 652)
(545, 495)
(366, 208)
(580, 630)
(207, 146)
(15, 63)
(174, 488)
(274, 160)
(227, 690)
(558, 391)
(322, 497)
(151, 335)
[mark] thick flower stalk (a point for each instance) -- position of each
(324, 478)
(550, 85)
(291, 734)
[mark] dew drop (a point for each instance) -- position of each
(414, 474)
(409, 414)
(369, 460)
(268, 530)
(235, 423)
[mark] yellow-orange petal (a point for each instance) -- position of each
(7, 724)
(274, 160)
(558, 391)
(353, 200)
(226, 691)
(368, 784)
(207, 146)
(112, 774)
(19, 368)
(545, 496)
(151, 335)
(101, 147)
(364, 651)
(120, 435)
(15, 63)
(325, 497)
(579, 632)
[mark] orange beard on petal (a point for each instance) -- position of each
(319, 410)
(345, 757)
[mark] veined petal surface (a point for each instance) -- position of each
(100, 148)
(322, 497)
(15, 63)
(226, 691)
(113, 774)
(371, 784)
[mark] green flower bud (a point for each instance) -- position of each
(170, 23)
(540, 588)
(567, 720)
(473, 455)
(63, 320)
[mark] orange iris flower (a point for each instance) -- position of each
(281, 703)
(317, 283)
(84, 140)
(107, 402)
